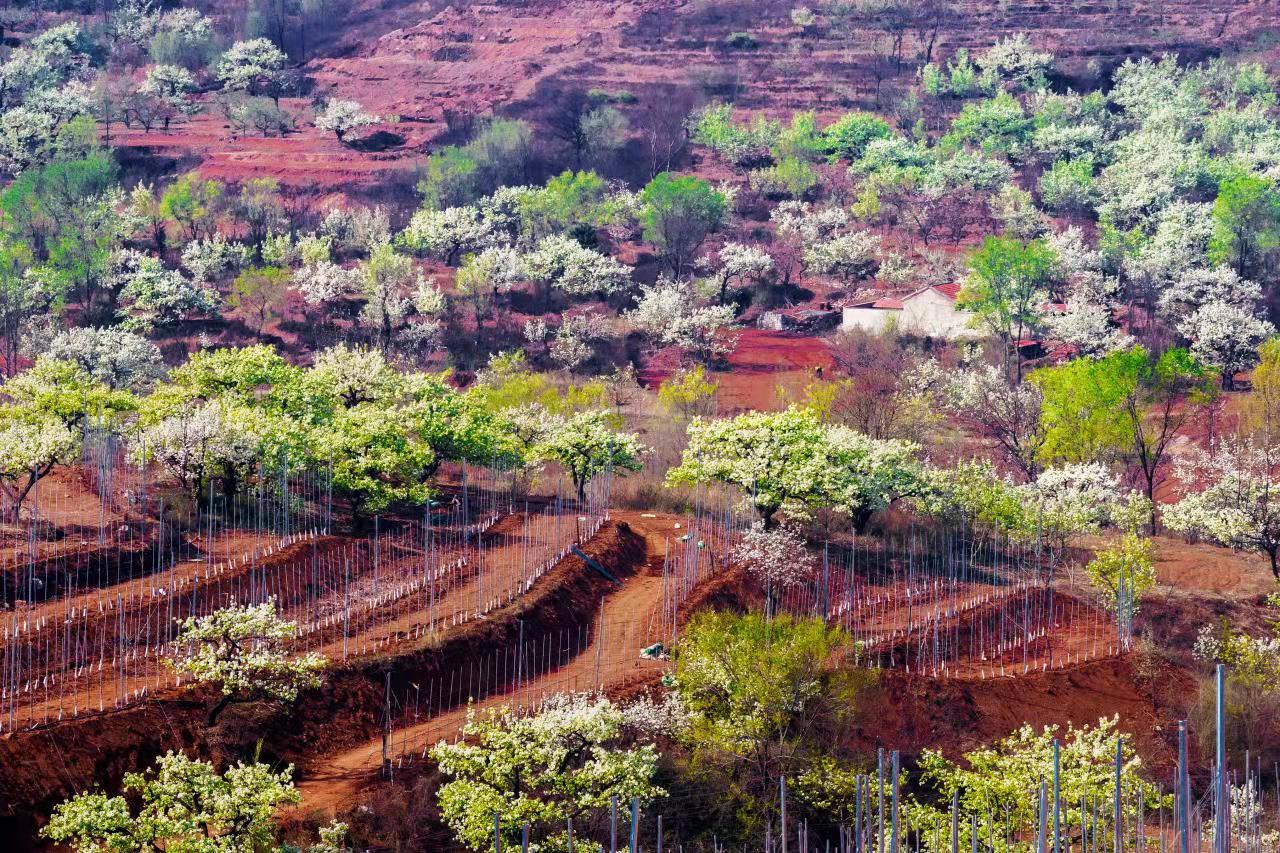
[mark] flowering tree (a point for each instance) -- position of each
(563, 763)
(172, 87)
(1076, 499)
(791, 460)
(114, 357)
(566, 265)
(770, 456)
(667, 312)
(1000, 785)
(254, 66)
(983, 399)
(387, 275)
(450, 233)
(154, 296)
(752, 687)
(180, 800)
(739, 264)
(342, 117)
(198, 445)
(1233, 497)
(585, 445)
(30, 447)
(1226, 337)
(778, 559)
(242, 649)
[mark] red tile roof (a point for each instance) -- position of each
(951, 291)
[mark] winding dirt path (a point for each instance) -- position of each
(628, 619)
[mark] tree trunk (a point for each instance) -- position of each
(217, 710)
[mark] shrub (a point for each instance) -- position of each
(790, 178)
(847, 138)
(741, 41)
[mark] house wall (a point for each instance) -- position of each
(931, 313)
(868, 319)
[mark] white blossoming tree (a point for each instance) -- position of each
(173, 88)
(983, 399)
(586, 445)
(450, 233)
(564, 763)
(564, 264)
(114, 357)
(791, 461)
(1226, 337)
(30, 447)
(1233, 498)
(777, 559)
(243, 650)
(252, 66)
(154, 296)
(209, 260)
(739, 265)
(341, 117)
(669, 315)
(179, 800)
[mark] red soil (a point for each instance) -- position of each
(763, 362)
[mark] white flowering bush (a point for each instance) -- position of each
(153, 296)
(1089, 327)
(739, 265)
(566, 760)
(777, 559)
(215, 258)
(243, 649)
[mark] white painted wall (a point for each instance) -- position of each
(868, 319)
(930, 313)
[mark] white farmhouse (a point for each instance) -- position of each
(929, 311)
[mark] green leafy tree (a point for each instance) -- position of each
(1128, 405)
(566, 762)
(688, 393)
(258, 293)
(848, 136)
(755, 689)
(181, 805)
(22, 298)
(1006, 286)
(1246, 218)
(587, 445)
(1124, 571)
(243, 650)
(377, 458)
(679, 213)
(195, 204)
